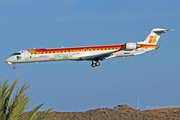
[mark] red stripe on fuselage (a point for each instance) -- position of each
(119, 47)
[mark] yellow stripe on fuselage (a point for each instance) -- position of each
(149, 46)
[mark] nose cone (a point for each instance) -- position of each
(8, 60)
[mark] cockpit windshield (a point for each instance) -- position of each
(16, 54)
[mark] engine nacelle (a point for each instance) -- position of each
(132, 46)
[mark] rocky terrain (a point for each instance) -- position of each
(120, 112)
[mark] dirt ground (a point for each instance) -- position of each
(119, 112)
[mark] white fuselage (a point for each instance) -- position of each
(27, 57)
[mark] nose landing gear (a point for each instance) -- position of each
(14, 66)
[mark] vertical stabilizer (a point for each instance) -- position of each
(154, 36)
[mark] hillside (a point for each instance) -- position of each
(120, 112)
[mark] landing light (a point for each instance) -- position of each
(9, 63)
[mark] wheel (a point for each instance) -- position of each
(93, 64)
(97, 63)
(14, 67)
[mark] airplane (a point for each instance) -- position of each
(89, 53)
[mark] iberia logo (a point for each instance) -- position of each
(18, 57)
(152, 39)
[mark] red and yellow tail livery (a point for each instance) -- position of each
(152, 39)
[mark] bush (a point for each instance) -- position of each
(12, 107)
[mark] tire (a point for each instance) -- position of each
(97, 63)
(93, 65)
(14, 67)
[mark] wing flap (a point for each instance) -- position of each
(100, 56)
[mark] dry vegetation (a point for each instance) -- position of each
(120, 112)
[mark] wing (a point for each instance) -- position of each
(100, 56)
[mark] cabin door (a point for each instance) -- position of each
(26, 55)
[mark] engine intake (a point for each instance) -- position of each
(132, 46)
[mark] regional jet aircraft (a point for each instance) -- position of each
(89, 53)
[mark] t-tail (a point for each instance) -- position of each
(153, 37)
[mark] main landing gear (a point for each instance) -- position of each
(95, 63)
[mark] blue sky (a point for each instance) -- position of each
(76, 86)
